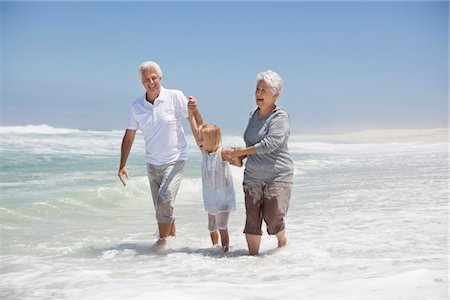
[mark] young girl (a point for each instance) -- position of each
(218, 191)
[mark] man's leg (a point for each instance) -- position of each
(165, 198)
(173, 229)
(164, 229)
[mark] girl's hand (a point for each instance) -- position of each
(226, 154)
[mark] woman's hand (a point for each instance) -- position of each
(231, 155)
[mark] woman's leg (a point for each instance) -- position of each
(253, 191)
(276, 204)
(282, 240)
(253, 242)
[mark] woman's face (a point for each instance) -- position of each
(264, 97)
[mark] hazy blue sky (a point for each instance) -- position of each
(347, 65)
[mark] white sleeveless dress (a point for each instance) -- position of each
(217, 183)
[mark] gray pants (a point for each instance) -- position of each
(164, 183)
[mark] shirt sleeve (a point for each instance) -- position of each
(184, 107)
(132, 123)
(277, 131)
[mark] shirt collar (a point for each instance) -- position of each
(161, 97)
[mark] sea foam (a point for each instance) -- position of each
(365, 221)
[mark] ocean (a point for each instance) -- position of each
(366, 221)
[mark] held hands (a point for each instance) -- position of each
(123, 171)
(227, 154)
(192, 103)
(231, 155)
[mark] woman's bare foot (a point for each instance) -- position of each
(282, 242)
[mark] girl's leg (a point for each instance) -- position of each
(214, 237)
(212, 226)
(225, 239)
(222, 220)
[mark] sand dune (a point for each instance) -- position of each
(435, 135)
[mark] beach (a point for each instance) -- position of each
(434, 135)
(368, 219)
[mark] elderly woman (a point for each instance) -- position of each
(269, 168)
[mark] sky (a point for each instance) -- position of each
(347, 65)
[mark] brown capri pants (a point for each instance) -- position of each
(268, 201)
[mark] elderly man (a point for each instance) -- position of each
(158, 114)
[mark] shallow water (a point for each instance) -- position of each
(366, 221)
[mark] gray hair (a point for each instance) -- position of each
(273, 80)
(150, 65)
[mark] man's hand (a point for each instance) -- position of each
(123, 171)
(192, 103)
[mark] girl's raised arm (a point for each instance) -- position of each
(195, 118)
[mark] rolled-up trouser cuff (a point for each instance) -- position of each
(162, 219)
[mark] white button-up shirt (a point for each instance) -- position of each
(160, 123)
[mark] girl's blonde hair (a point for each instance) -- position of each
(211, 133)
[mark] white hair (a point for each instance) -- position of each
(150, 65)
(273, 80)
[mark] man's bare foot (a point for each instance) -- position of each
(225, 248)
(160, 243)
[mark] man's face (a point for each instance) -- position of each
(151, 81)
